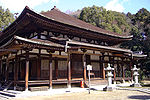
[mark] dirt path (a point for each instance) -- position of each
(95, 95)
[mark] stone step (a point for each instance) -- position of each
(7, 94)
(41, 88)
(3, 97)
(97, 82)
(13, 91)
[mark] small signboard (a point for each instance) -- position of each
(89, 67)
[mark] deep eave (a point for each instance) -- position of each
(17, 43)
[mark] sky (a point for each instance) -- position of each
(16, 6)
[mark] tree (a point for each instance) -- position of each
(116, 29)
(6, 18)
(109, 20)
(141, 37)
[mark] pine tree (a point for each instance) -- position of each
(6, 18)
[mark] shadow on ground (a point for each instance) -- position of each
(139, 97)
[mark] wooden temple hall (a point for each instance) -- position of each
(54, 48)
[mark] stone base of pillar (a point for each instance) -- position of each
(26, 90)
(14, 87)
(50, 88)
(129, 81)
(114, 82)
(69, 86)
(132, 81)
(109, 88)
(123, 81)
(137, 85)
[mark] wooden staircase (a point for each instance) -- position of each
(6, 85)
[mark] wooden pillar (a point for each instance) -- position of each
(22, 68)
(103, 66)
(56, 68)
(27, 70)
(50, 71)
(19, 68)
(7, 69)
(39, 65)
(131, 64)
(84, 67)
(114, 69)
(15, 71)
(69, 70)
(100, 66)
(123, 73)
(0, 68)
(2, 72)
(71, 63)
(88, 59)
(118, 67)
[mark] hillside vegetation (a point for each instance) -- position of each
(109, 20)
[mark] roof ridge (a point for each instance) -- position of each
(50, 14)
(54, 8)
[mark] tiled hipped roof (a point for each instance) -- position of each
(57, 21)
(59, 16)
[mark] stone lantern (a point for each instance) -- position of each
(135, 74)
(109, 70)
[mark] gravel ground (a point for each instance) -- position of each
(95, 95)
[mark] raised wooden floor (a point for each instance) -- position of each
(61, 81)
(40, 85)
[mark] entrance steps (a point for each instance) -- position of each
(94, 82)
(6, 85)
(8, 94)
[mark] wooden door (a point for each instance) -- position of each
(77, 66)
